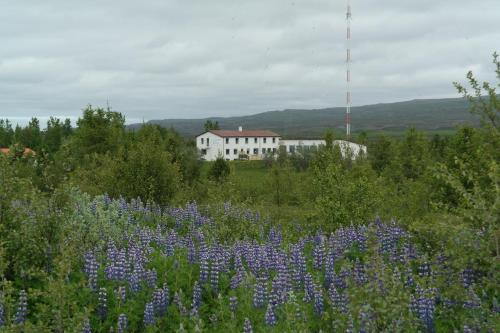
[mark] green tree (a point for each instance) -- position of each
(362, 138)
(6, 133)
(329, 139)
(486, 107)
(345, 195)
(381, 153)
(211, 125)
(412, 157)
(219, 170)
(29, 136)
(98, 131)
(53, 135)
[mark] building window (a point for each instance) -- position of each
(254, 140)
(269, 150)
(202, 141)
(208, 141)
(203, 151)
(248, 151)
(274, 150)
(265, 139)
(235, 152)
(263, 150)
(255, 151)
(227, 140)
(246, 140)
(292, 149)
(227, 151)
(274, 140)
(237, 140)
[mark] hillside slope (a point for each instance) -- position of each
(424, 114)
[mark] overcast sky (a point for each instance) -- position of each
(199, 58)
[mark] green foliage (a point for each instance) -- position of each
(29, 136)
(347, 190)
(211, 125)
(6, 133)
(219, 170)
(98, 131)
(381, 153)
(488, 108)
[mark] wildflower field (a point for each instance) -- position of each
(147, 268)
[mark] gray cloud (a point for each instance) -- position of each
(164, 59)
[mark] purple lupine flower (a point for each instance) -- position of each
(247, 326)
(122, 323)
(308, 288)
(469, 329)
(149, 318)
(151, 278)
(339, 301)
(365, 321)
(275, 237)
(467, 277)
(318, 300)
(340, 280)
(424, 269)
(423, 305)
(236, 279)
(274, 296)
(214, 274)
(121, 294)
(22, 308)
(259, 294)
(409, 281)
(196, 296)
(203, 269)
(270, 317)
(102, 307)
(86, 326)
(191, 253)
(233, 303)
(120, 264)
(160, 302)
(171, 243)
(134, 282)
(2, 312)
(178, 302)
(318, 255)
(112, 252)
(90, 268)
(329, 269)
(359, 273)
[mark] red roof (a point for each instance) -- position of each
(249, 133)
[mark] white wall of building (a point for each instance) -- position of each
(347, 148)
(350, 148)
(292, 145)
(212, 146)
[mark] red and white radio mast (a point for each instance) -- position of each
(348, 72)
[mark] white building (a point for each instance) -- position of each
(231, 145)
(255, 144)
(347, 148)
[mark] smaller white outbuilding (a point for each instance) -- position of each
(347, 148)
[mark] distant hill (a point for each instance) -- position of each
(424, 114)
